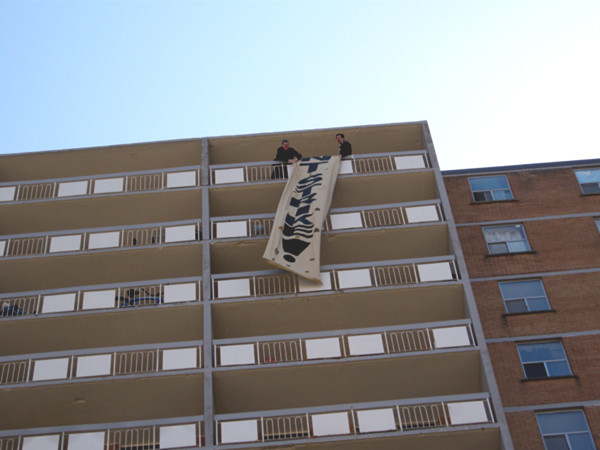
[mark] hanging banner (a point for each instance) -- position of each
(295, 242)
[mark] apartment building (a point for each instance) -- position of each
(138, 312)
(531, 241)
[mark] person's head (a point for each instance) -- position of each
(285, 144)
(339, 137)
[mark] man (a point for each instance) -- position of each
(286, 155)
(345, 146)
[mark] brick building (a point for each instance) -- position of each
(530, 236)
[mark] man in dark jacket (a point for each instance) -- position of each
(285, 155)
(345, 146)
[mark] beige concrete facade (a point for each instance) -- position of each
(126, 306)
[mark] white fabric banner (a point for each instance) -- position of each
(295, 242)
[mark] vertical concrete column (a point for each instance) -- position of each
(489, 380)
(209, 412)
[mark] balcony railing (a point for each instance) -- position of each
(373, 276)
(344, 346)
(366, 218)
(107, 297)
(400, 417)
(107, 238)
(143, 181)
(64, 366)
(163, 434)
(357, 164)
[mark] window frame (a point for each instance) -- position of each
(508, 251)
(593, 187)
(567, 434)
(545, 363)
(490, 194)
(526, 299)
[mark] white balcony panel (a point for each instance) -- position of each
(99, 299)
(2, 247)
(180, 358)
(346, 167)
(49, 442)
(232, 229)
(323, 348)
(229, 175)
(434, 272)
(65, 243)
(346, 220)
(409, 162)
(374, 420)
(50, 369)
(305, 285)
(419, 214)
(181, 179)
(354, 278)
(367, 344)
(109, 239)
(330, 424)
(235, 355)
(176, 436)
(185, 292)
(180, 233)
(86, 441)
(58, 303)
(109, 185)
(7, 193)
(239, 431)
(467, 412)
(93, 366)
(70, 188)
(234, 288)
(451, 337)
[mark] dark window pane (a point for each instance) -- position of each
(483, 196)
(556, 443)
(590, 188)
(535, 370)
(516, 306)
(500, 248)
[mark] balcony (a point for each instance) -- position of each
(112, 238)
(163, 433)
(346, 345)
(84, 365)
(343, 421)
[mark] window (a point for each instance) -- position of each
(589, 180)
(565, 430)
(506, 239)
(489, 189)
(524, 296)
(598, 223)
(544, 360)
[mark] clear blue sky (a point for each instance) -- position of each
(499, 81)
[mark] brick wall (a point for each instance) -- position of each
(583, 354)
(562, 244)
(574, 299)
(536, 193)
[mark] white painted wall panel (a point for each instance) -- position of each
(109, 239)
(109, 185)
(180, 358)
